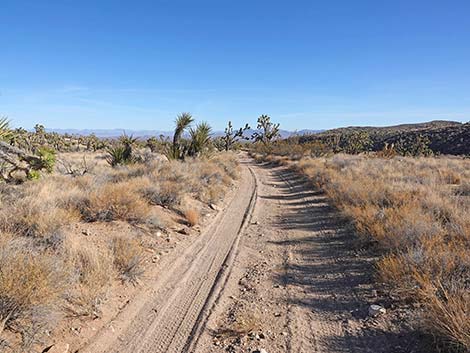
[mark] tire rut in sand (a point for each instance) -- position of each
(166, 322)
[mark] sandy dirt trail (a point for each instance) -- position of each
(302, 280)
(278, 256)
(167, 318)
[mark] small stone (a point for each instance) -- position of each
(158, 234)
(183, 231)
(86, 232)
(277, 314)
(284, 333)
(214, 207)
(261, 350)
(58, 348)
(376, 310)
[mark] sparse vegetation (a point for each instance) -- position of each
(414, 210)
(46, 270)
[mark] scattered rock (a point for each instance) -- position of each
(260, 351)
(376, 310)
(214, 207)
(86, 232)
(183, 231)
(277, 314)
(57, 348)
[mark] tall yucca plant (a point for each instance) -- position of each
(182, 122)
(200, 138)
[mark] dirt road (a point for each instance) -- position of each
(277, 270)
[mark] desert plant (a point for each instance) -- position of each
(30, 288)
(268, 131)
(121, 154)
(5, 131)
(231, 136)
(200, 138)
(128, 258)
(166, 194)
(192, 216)
(114, 202)
(182, 122)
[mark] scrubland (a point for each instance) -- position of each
(51, 268)
(417, 213)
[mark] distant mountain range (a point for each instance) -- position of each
(143, 134)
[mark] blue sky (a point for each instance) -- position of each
(308, 64)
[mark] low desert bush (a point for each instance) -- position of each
(192, 216)
(166, 194)
(91, 272)
(31, 285)
(115, 202)
(128, 258)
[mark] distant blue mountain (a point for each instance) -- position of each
(110, 133)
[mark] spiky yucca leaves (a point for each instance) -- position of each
(121, 154)
(200, 138)
(182, 122)
(5, 131)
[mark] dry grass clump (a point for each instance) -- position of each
(192, 216)
(31, 285)
(92, 272)
(113, 202)
(167, 194)
(418, 212)
(128, 258)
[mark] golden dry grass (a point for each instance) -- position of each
(31, 285)
(128, 258)
(417, 210)
(192, 216)
(43, 264)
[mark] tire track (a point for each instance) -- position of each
(169, 322)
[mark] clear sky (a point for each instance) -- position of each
(308, 64)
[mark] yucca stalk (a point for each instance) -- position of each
(183, 121)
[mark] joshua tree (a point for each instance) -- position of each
(231, 136)
(268, 131)
(200, 138)
(183, 121)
